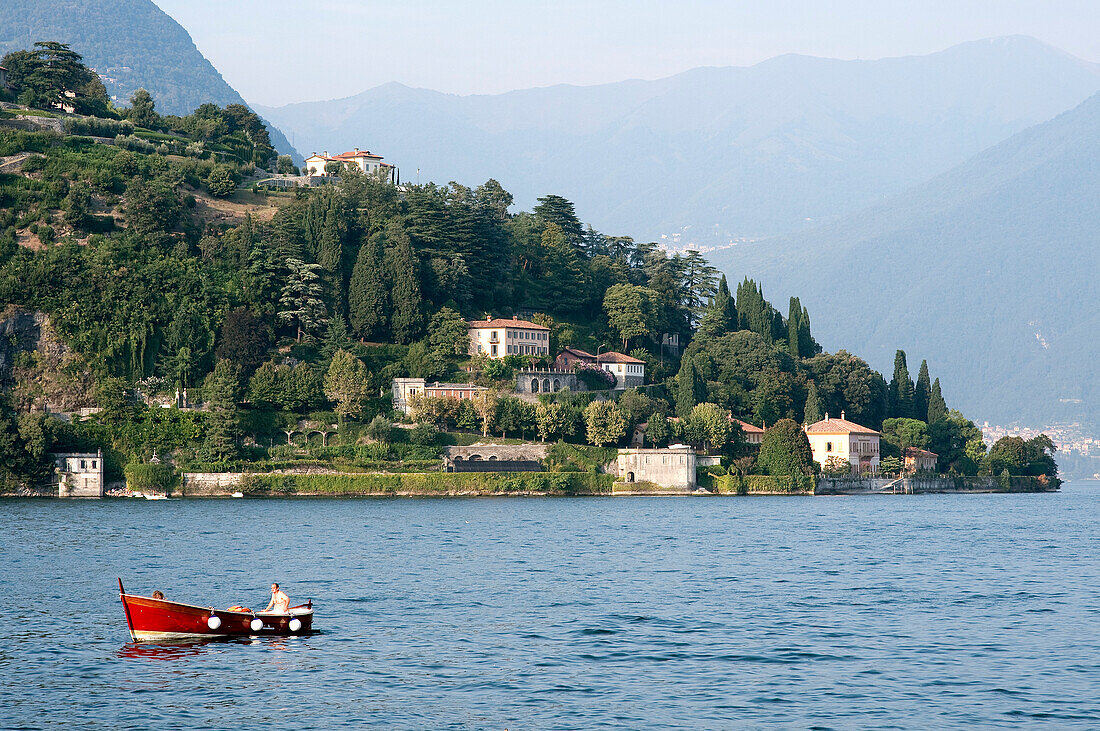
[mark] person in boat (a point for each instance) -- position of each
(158, 594)
(280, 602)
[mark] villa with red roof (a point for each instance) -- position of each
(753, 434)
(500, 336)
(856, 444)
(629, 372)
(365, 160)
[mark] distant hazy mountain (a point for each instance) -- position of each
(132, 42)
(990, 271)
(717, 152)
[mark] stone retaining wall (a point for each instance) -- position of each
(208, 484)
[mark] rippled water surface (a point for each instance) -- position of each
(883, 612)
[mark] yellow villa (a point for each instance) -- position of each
(856, 444)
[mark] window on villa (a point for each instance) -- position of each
(828, 446)
(82, 464)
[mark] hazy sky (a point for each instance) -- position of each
(325, 49)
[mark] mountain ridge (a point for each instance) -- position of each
(986, 270)
(161, 57)
(731, 151)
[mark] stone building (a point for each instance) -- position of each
(406, 389)
(920, 460)
(79, 474)
(534, 381)
(495, 458)
(672, 467)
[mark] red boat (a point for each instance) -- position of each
(159, 619)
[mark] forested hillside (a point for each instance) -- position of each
(294, 317)
(133, 44)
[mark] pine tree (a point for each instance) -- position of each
(402, 272)
(922, 393)
(937, 409)
(302, 300)
(900, 397)
(368, 298)
(813, 411)
(223, 387)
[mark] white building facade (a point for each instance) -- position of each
(500, 337)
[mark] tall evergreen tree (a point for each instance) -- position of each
(368, 297)
(720, 316)
(402, 272)
(690, 388)
(807, 346)
(900, 397)
(922, 393)
(699, 279)
(813, 411)
(794, 328)
(553, 209)
(302, 300)
(937, 409)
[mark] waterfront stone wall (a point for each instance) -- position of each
(495, 458)
(926, 485)
(208, 484)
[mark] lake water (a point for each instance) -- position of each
(839, 612)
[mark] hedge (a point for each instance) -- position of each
(437, 483)
(764, 485)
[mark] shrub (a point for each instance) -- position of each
(159, 478)
(423, 434)
(98, 127)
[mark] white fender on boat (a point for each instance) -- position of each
(295, 624)
(256, 624)
(214, 622)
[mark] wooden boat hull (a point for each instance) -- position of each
(159, 619)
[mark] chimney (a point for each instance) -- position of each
(357, 149)
(326, 153)
(515, 317)
(842, 415)
(826, 416)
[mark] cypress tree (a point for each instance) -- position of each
(900, 397)
(813, 411)
(402, 269)
(721, 314)
(689, 389)
(922, 393)
(794, 328)
(937, 409)
(807, 347)
(368, 298)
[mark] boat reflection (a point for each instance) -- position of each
(182, 649)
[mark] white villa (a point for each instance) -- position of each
(849, 441)
(365, 160)
(500, 337)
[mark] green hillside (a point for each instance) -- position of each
(132, 44)
(137, 273)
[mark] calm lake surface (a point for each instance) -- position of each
(829, 612)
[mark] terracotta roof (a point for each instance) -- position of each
(357, 153)
(577, 352)
(839, 426)
(613, 357)
(456, 386)
(916, 452)
(505, 322)
(747, 427)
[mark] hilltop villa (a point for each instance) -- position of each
(365, 160)
(847, 440)
(499, 337)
